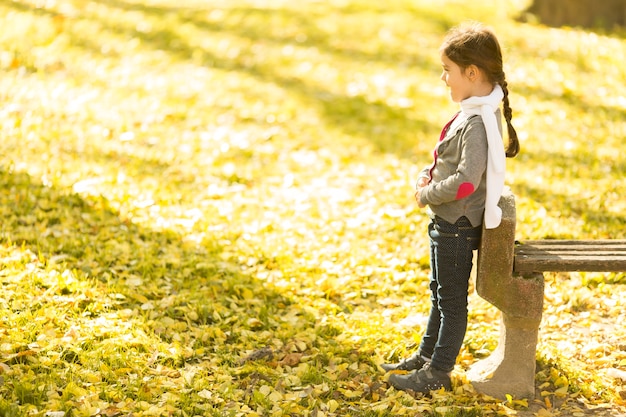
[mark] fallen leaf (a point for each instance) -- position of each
(291, 359)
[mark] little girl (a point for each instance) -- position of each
(462, 188)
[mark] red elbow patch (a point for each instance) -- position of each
(465, 189)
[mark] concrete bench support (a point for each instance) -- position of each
(510, 369)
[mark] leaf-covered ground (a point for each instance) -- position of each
(207, 206)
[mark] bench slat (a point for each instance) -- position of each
(583, 244)
(570, 255)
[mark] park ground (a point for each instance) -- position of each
(207, 206)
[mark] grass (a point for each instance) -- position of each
(207, 206)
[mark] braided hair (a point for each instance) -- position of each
(478, 45)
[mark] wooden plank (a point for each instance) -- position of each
(561, 242)
(573, 244)
(571, 255)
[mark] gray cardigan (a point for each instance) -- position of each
(457, 179)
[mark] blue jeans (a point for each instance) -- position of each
(451, 247)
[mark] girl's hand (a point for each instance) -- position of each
(417, 197)
(422, 182)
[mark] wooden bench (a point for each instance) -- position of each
(510, 276)
(570, 255)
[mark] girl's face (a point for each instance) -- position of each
(457, 79)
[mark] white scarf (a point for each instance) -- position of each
(486, 107)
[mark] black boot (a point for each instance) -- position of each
(413, 362)
(424, 380)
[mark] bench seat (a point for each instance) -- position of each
(570, 255)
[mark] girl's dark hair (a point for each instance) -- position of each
(477, 45)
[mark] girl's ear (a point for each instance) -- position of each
(472, 72)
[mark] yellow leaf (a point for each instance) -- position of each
(247, 294)
(92, 377)
(561, 382)
(383, 406)
(138, 297)
(218, 333)
(206, 394)
(134, 281)
(522, 402)
(332, 405)
(442, 410)
(155, 411)
(254, 323)
(73, 390)
(561, 392)
(275, 397)
(350, 394)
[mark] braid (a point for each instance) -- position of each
(513, 148)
